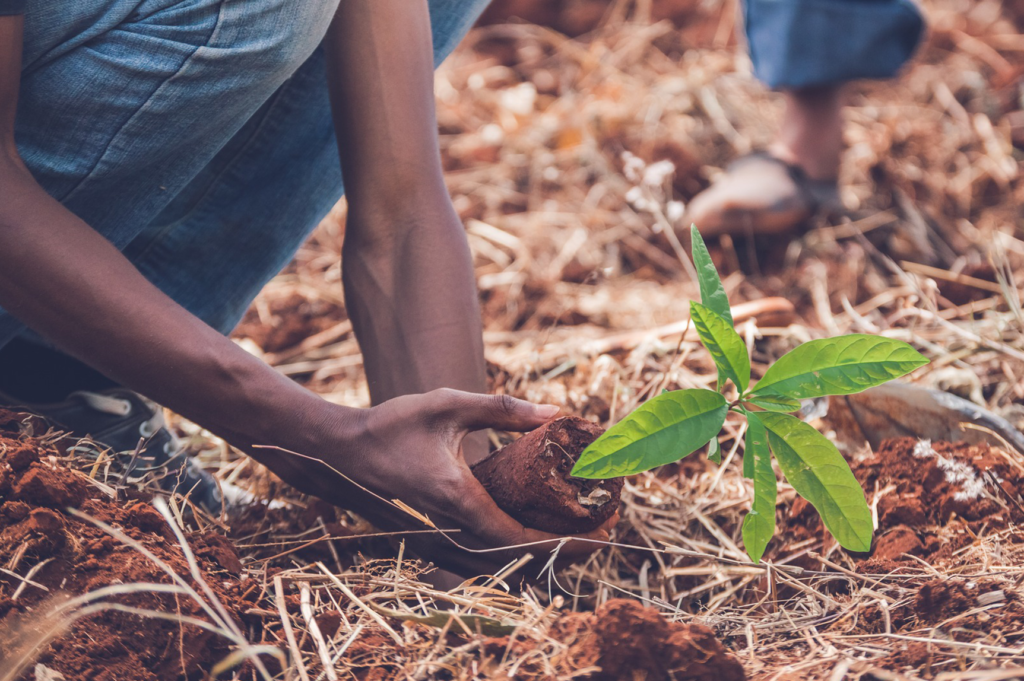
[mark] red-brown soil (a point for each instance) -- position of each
(287, 321)
(959, 608)
(933, 499)
(629, 641)
(925, 509)
(940, 599)
(78, 557)
(529, 479)
(621, 639)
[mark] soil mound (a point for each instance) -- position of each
(625, 640)
(937, 481)
(529, 479)
(69, 556)
(630, 640)
(933, 497)
(940, 599)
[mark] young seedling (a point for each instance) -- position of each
(676, 424)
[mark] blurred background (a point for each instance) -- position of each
(538, 109)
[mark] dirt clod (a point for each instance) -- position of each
(74, 557)
(940, 599)
(529, 479)
(220, 550)
(937, 496)
(896, 543)
(628, 641)
(21, 458)
(46, 486)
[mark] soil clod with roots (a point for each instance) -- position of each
(530, 479)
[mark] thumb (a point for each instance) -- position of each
(476, 412)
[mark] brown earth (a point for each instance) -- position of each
(959, 608)
(933, 499)
(626, 640)
(75, 557)
(622, 638)
(284, 322)
(940, 599)
(529, 479)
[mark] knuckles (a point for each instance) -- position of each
(504, 406)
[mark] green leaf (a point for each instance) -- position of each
(712, 293)
(660, 431)
(820, 474)
(725, 345)
(748, 458)
(715, 451)
(759, 524)
(775, 403)
(839, 366)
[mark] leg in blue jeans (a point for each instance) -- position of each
(808, 49)
(798, 44)
(195, 135)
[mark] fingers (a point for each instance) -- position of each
(498, 530)
(475, 412)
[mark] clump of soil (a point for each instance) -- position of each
(529, 479)
(629, 638)
(941, 599)
(75, 557)
(629, 641)
(933, 497)
(937, 481)
(897, 542)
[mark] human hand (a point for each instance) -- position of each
(410, 449)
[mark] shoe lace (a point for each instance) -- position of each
(116, 406)
(178, 458)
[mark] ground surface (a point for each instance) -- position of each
(583, 295)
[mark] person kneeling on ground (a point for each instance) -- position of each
(161, 160)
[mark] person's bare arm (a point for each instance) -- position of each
(408, 272)
(67, 282)
(63, 279)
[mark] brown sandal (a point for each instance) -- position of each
(760, 194)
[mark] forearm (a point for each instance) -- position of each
(68, 283)
(414, 306)
(381, 82)
(408, 272)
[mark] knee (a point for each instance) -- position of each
(282, 34)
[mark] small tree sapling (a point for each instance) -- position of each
(676, 424)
